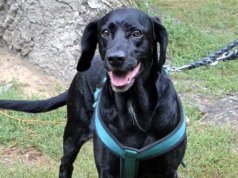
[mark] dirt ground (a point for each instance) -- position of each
(29, 156)
(13, 68)
(217, 112)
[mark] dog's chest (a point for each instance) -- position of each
(129, 122)
(129, 130)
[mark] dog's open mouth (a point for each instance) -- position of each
(122, 81)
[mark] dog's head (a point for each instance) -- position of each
(127, 41)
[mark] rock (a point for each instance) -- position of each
(47, 33)
(223, 111)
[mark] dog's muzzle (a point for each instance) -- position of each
(122, 81)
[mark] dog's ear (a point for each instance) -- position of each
(88, 46)
(161, 36)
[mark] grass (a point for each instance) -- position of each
(44, 133)
(211, 152)
(196, 28)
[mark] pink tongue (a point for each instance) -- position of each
(125, 79)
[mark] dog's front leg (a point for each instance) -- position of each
(108, 165)
(78, 128)
(74, 137)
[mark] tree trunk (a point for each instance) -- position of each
(47, 32)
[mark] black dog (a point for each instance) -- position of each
(138, 103)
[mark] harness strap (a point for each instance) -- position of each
(130, 156)
(128, 167)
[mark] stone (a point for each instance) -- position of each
(47, 33)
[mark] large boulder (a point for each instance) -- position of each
(47, 32)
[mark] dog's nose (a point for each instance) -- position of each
(116, 58)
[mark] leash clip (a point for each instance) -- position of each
(225, 56)
(168, 68)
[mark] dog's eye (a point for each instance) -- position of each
(105, 33)
(137, 33)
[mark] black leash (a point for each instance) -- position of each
(227, 53)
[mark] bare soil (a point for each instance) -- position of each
(29, 156)
(14, 69)
(222, 111)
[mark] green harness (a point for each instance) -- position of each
(130, 156)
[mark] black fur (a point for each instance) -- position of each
(126, 38)
(37, 106)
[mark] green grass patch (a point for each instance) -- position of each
(211, 152)
(19, 169)
(48, 167)
(196, 29)
(23, 130)
(42, 132)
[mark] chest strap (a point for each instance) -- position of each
(130, 156)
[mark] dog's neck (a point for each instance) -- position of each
(139, 101)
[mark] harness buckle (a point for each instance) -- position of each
(130, 154)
